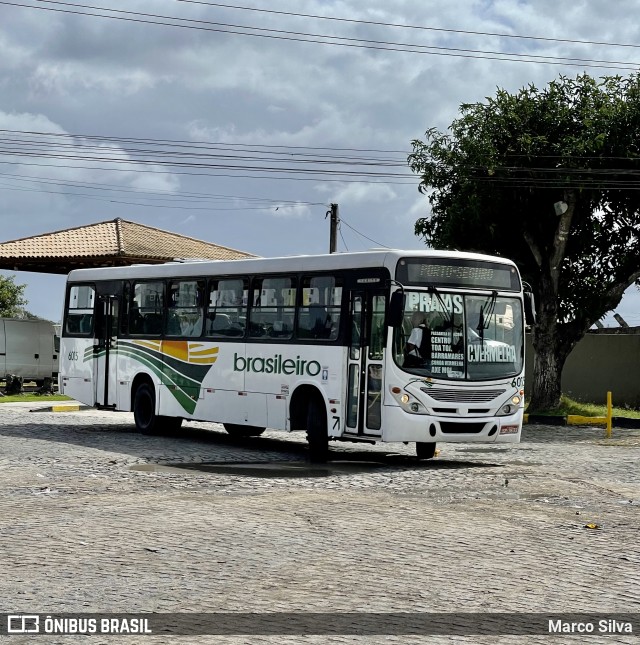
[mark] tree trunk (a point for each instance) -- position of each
(547, 373)
(546, 388)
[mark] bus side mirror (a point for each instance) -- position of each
(529, 308)
(396, 309)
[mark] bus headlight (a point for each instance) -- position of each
(407, 401)
(511, 407)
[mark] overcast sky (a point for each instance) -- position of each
(283, 108)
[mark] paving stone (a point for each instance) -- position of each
(478, 529)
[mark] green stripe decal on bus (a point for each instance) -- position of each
(180, 365)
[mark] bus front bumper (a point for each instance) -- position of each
(401, 426)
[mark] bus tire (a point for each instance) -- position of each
(317, 432)
(144, 409)
(237, 430)
(425, 450)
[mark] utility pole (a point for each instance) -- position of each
(333, 231)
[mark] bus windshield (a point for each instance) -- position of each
(460, 336)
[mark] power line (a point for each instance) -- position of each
(211, 174)
(313, 38)
(169, 157)
(183, 142)
(161, 156)
(212, 151)
(119, 201)
(320, 167)
(184, 196)
(362, 234)
(166, 203)
(342, 237)
(319, 173)
(257, 147)
(405, 26)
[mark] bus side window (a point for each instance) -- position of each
(185, 308)
(273, 307)
(319, 314)
(227, 308)
(79, 313)
(378, 328)
(124, 318)
(147, 307)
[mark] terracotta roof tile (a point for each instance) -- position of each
(105, 241)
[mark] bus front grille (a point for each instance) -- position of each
(462, 396)
(461, 428)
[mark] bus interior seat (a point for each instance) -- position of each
(73, 324)
(221, 324)
(257, 329)
(280, 329)
(85, 323)
(304, 325)
(322, 323)
(173, 325)
(136, 322)
(217, 322)
(153, 323)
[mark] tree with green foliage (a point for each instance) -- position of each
(12, 298)
(551, 179)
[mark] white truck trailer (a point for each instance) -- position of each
(28, 348)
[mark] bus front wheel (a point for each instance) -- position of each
(425, 450)
(317, 432)
(237, 430)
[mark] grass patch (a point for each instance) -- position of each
(569, 406)
(31, 398)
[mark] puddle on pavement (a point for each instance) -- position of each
(265, 469)
(520, 462)
(283, 469)
(492, 449)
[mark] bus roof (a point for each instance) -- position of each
(297, 263)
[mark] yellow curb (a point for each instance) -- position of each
(65, 408)
(578, 420)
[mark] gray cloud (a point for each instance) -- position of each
(86, 75)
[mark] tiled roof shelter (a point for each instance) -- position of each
(113, 243)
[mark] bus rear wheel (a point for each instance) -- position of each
(144, 413)
(425, 450)
(144, 409)
(317, 432)
(237, 430)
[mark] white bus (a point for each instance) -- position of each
(314, 343)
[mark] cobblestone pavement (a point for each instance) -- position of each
(98, 518)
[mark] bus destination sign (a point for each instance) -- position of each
(441, 272)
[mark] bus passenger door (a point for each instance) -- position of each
(364, 363)
(77, 360)
(104, 359)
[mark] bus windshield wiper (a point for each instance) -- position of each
(486, 311)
